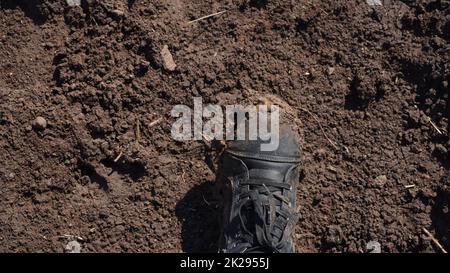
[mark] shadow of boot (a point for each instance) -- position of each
(198, 213)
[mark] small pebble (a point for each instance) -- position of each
(40, 123)
(167, 59)
(373, 247)
(117, 12)
(72, 3)
(330, 70)
(374, 2)
(381, 180)
(73, 247)
(332, 169)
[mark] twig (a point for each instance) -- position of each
(207, 16)
(118, 157)
(182, 177)
(410, 186)
(138, 130)
(434, 126)
(70, 237)
(153, 123)
(322, 10)
(321, 128)
(434, 240)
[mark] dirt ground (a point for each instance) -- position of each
(370, 84)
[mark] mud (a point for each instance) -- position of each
(370, 85)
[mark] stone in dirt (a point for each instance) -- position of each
(374, 2)
(73, 247)
(167, 59)
(118, 13)
(39, 123)
(330, 70)
(72, 3)
(381, 180)
(373, 247)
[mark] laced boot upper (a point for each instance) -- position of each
(259, 190)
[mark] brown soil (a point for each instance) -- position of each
(370, 83)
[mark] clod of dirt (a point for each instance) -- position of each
(368, 85)
(11, 175)
(73, 247)
(39, 123)
(440, 150)
(373, 247)
(167, 59)
(41, 198)
(334, 235)
(258, 3)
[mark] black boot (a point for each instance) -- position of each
(259, 191)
